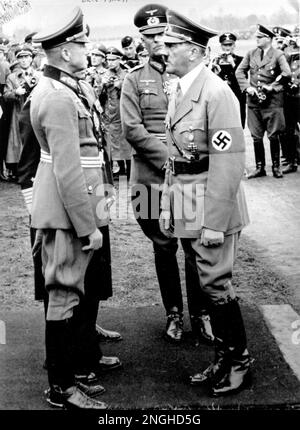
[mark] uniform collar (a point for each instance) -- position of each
(158, 63)
(61, 76)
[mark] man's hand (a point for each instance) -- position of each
(211, 237)
(20, 91)
(267, 88)
(95, 241)
(252, 91)
(165, 223)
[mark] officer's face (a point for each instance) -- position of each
(25, 61)
(129, 51)
(113, 63)
(154, 43)
(177, 58)
(262, 41)
(96, 60)
(228, 48)
(77, 56)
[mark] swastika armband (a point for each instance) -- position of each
(221, 140)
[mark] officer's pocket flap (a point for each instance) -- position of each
(189, 126)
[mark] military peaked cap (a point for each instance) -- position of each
(227, 38)
(264, 31)
(151, 19)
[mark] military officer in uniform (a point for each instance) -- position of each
(291, 106)
(130, 58)
(19, 85)
(69, 208)
(269, 71)
(282, 38)
(203, 201)
(144, 103)
(95, 73)
(4, 114)
(225, 65)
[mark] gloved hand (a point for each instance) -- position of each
(252, 91)
(211, 238)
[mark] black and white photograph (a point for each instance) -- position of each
(150, 211)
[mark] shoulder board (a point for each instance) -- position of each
(139, 66)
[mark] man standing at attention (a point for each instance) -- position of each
(203, 200)
(144, 103)
(68, 206)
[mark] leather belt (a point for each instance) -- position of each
(86, 162)
(188, 167)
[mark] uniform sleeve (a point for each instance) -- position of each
(226, 148)
(285, 73)
(10, 89)
(242, 73)
(59, 119)
(146, 145)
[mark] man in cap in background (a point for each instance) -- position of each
(144, 104)
(225, 65)
(282, 38)
(19, 85)
(4, 113)
(95, 73)
(68, 210)
(142, 53)
(269, 71)
(203, 201)
(129, 59)
(292, 105)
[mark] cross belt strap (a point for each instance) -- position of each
(86, 162)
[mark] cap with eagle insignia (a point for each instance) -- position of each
(69, 28)
(281, 32)
(3, 43)
(181, 29)
(151, 19)
(227, 38)
(22, 50)
(113, 53)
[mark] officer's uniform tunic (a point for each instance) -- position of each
(208, 117)
(68, 193)
(144, 102)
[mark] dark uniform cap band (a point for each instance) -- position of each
(70, 29)
(180, 29)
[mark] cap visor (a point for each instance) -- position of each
(172, 39)
(153, 30)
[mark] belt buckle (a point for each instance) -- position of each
(172, 165)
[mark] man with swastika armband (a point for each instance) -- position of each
(144, 104)
(269, 72)
(69, 212)
(203, 201)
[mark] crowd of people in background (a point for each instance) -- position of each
(21, 65)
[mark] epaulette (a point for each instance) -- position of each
(139, 66)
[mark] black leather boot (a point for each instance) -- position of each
(259, 152)
(275, 155)
(201, 329)
(258, 172)
(230, 371)
(292, 165)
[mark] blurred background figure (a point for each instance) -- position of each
(269, 71)
(130, 58)
(292, 105)
(225, 65)
(95, 73)
(119, 148)
(4, 114)
(19, 85)
(282, 38)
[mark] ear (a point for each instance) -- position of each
(65, 53)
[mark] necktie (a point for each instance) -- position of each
(261, 55)
(179, 95)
